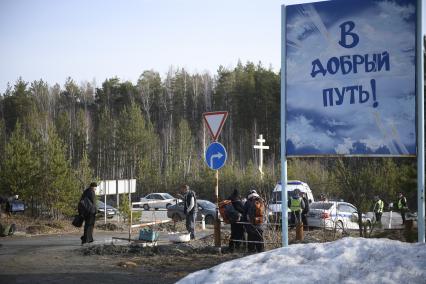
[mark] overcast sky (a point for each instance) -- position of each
(99, 39)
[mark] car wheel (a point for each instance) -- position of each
(209, 220)
(176, 218)
(168, 205)
(146, 207)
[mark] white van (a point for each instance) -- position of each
(275, 202)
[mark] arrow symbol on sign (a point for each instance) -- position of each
(218, 156)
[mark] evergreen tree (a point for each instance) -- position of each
(60, 187)
(20, 170)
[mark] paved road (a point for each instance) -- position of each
(395, 222)
(58, 259)
(147, 216)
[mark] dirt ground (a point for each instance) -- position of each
(49, 252)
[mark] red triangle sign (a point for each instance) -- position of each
(215, 121)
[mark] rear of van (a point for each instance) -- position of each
(274, 206)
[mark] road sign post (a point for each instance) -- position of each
(215, 157)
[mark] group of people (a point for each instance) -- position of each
(379, 205)
(246, 222)
(250, 222)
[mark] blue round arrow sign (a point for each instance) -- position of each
(216, 156)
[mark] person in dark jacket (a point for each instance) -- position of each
(255, 241)
(89, 213)
(305, 210)
(9, 203)
(237, 229)
(190, 209)
(402, 206)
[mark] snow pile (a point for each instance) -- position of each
(349, 260)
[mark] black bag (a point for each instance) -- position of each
(85, 207)
(78, 221)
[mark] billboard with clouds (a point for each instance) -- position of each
(350, 80)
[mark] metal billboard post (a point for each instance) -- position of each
(420, 129)
(105, 200)
(284, 205)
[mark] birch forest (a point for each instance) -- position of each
(55, 139)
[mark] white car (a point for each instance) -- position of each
(335, 215)
(158, 200)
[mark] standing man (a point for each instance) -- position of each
(402, 206)
(87, 209)
(305, 210)
(296, 205)
(254, 213)
(237, 229)
(9, 204)
(189, 208)
(378, 209)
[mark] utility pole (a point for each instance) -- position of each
(261, 147)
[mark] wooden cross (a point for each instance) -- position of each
(261, 147)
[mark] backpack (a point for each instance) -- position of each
(222, 210)
(256, 211)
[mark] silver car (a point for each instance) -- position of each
(158, 200)
(110, 211)
(335, 215)
(205, 207)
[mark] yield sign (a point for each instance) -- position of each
(215, 121)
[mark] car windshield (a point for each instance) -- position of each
(276, 196)
(206, 204)
(100, 204)
(168, 196)
(321, 205)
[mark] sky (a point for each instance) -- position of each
(99, 39)
(348, 260)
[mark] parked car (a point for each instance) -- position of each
(158, 200)
(16, 206)
(111, 211)
(274, 206)
(335, 215)
(205, 207)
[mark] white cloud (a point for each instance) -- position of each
(345, 147)
(301, 133)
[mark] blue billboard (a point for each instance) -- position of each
(350, 78)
